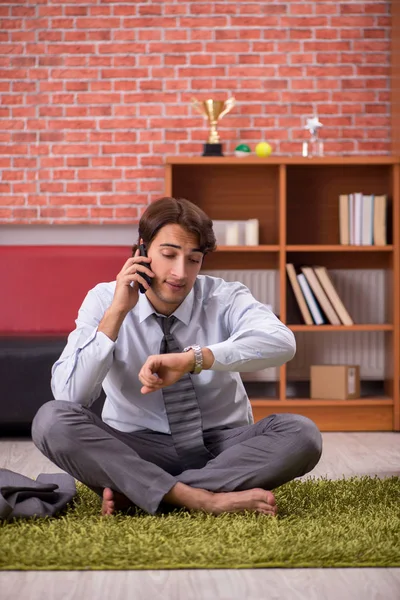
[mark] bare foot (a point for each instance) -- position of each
(113, 501)
(108, 505)
(256, 500)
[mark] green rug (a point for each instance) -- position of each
(322, 523)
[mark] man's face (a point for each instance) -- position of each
(176, 262)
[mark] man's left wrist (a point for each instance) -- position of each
(208, 358)
(188, 357)
(197, 358)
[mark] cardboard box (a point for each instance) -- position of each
(335, 382)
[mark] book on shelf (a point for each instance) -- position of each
(321, 295)
(362, 219)
(344, 219)
(311, 301)
(317, 297)
(356, 200)
(305, 313)
(379, 224)
(367, 224)
(329, 288)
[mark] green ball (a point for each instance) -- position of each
(242, 150)
(263, 149)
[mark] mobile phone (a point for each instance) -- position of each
(143, 252)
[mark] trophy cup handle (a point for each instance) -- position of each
(199, 107)
(229, 104)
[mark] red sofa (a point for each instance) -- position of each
(42, 288)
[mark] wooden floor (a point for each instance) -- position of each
(345, 454)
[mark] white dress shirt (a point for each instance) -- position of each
(242, 333)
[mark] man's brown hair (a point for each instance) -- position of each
(176, 211)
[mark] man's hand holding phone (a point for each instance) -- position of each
(146, 277)
(135, 273)
(126, 293)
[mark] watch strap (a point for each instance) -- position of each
(198, 358)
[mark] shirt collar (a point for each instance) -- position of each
(183, 312)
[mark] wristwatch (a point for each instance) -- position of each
(198, 358)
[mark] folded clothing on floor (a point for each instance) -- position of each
(22, 497)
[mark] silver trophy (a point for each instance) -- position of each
(314, 146)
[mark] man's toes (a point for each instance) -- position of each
(108, 505)
(107, 508)
(267, 511)
(108, 494)
(264, 496)
(270, 498)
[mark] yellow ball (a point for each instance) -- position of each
(263, 149)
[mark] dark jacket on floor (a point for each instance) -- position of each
(22, 497)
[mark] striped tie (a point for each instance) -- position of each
(182, 408)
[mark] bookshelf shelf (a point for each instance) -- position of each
(296, 201)
(282, 160)
(259, 248)
(337, 248)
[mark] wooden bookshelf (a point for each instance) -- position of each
(296, 203)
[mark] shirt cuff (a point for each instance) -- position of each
(225, 357)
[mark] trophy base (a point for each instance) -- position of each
(212, 150)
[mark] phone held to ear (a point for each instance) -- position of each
(142, 250)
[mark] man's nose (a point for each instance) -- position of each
(179, 269)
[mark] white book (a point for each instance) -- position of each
(358, 217)
(351, 219)
(320, 295)
(308, 295)
(367, 220)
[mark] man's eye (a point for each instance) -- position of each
(193, 260)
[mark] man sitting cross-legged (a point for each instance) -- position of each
(177, 427)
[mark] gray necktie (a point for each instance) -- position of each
(182, 408)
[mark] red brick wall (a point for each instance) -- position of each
(95, 94)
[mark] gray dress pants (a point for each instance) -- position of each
(144, 465)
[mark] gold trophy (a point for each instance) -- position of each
(213, 110)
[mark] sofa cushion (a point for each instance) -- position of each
(44, 286)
